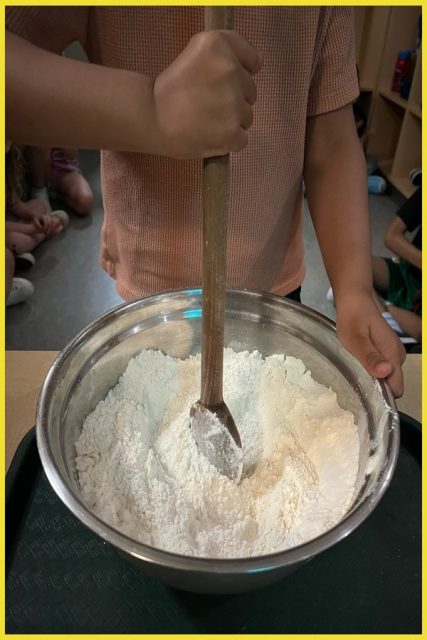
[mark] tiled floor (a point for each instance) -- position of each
(72, 289)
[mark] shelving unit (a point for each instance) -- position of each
(394, 124)
(371, 29)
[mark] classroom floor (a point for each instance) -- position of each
(71, 289)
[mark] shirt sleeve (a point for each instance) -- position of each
(410, 211)
(334, 80)
(51, 28)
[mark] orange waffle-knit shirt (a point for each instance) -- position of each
(151, 236)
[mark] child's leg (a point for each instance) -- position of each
(68, 181)
(21, 242)
(408, 320)
(380, 273)
(38, 161)
(77, 193)
(380, 305)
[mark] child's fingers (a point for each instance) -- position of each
(248, 87)
(376, 363)
(371, 358)
(38, 223)
(395, 380)
(247, 54)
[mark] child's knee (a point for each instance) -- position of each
(81, 202)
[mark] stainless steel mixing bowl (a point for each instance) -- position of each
(91, 364)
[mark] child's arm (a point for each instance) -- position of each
(335, 177)
(19, 208)
(199, 106)
(397, 242)
(31, 211)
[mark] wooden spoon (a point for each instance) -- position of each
(211, 421)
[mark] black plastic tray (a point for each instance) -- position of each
(62, 578)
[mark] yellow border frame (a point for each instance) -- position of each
(2, 367)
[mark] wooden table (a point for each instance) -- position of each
(26, 370)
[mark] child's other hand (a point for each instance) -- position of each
(364, 332)
(203, 100)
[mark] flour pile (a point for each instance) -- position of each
(141, 471)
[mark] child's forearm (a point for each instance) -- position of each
(199, 106)
(335, 177)
(54, 101)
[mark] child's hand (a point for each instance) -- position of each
(364, 332)
(203, 100)
(42, 222)
(201, 105)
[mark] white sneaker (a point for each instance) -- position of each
(21, 290)
(62, 216)
(330, 295)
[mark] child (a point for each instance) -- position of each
(27, 223)
(17, 289)
(158, 90)
(59, 170)
(398, 279)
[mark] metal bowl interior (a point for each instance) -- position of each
(93, 362)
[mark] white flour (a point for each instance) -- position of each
(141, 471)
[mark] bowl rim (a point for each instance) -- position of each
(171, 560)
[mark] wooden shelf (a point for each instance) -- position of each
(385, 167)
(393, 134)
(393, 97)
(366, 88)
(415, 95)
(401, 34)
(416, 111)
(371, 24)
(402, 183)
(408, 151)
(385, 128)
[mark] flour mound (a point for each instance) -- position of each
(140, 469)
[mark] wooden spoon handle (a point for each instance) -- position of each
(219, 18)
(215, 211)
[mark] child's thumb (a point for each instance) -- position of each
(373, 361)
